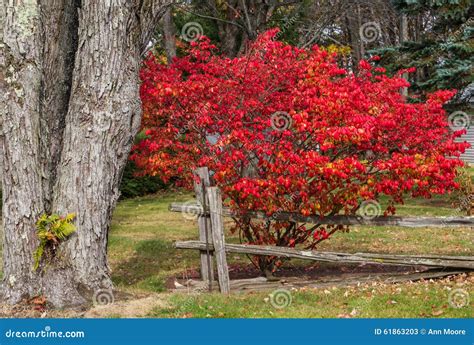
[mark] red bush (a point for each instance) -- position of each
(286, 129)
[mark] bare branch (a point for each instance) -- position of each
(149, 13)
(211, 17)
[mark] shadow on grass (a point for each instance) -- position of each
(150, 264)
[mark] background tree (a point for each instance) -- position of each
(169, 34)
(440, 45)
(70, 110)
(436, 36)
(232, 24)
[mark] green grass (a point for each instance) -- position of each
(141, 250)
(141, 240)
(143, 260)
(426, 299)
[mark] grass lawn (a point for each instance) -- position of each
(145, 263)
(142, 258)
(422, 299)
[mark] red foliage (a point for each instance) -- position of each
(286, 129)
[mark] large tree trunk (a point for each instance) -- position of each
(103, 118)
(70, 84)
(22, 186)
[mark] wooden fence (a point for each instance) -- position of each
(210, 212)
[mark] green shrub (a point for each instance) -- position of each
(133, 186)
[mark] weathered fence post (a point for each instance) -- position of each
(204, 224)
(217, 221)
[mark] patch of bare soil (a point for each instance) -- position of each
(313, 272)
(127, 309)
(295, 275)
(320, 270)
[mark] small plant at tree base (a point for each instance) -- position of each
(51, 231)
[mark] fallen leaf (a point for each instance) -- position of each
(344, 316)
(39, 300)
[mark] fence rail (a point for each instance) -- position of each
(211, 244)
(466, 262)
(408, 222)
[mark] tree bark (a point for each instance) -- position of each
(22, 186)
(103, 118)
(404, 38)
(169, 35)
(59, 25)
(70, 92)
(353, 23)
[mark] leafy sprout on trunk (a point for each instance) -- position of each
(51, 231)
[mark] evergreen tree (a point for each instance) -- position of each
(440, 45)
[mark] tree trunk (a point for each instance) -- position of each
(353, 24)
(403, 38)
(227, 31)
(103, 118)
(70, 90)
(22, 186)
(169, 35)
(59, 23)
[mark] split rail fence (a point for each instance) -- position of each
(210, 212)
